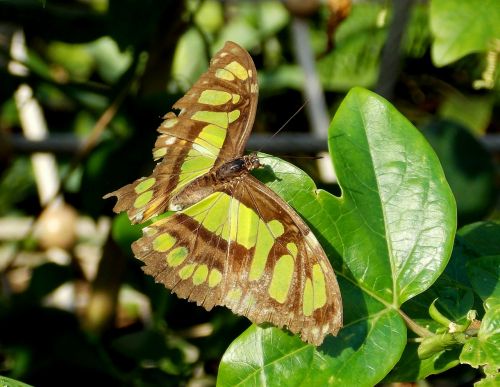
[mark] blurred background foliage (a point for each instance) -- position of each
(74, 304)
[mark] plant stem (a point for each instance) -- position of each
(419, 330)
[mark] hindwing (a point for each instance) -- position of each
(245, 248)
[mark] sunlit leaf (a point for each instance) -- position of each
(389, 237)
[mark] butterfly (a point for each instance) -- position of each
(232, 241)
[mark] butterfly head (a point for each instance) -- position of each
(252, 161)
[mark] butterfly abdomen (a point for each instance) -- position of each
(195, 191)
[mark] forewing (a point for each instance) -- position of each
(226, 95)
(215, 120)
(247, 249)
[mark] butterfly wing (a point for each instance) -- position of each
(215, 120)
(245, 248)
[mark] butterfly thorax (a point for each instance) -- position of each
(238, 167)
(228, 173)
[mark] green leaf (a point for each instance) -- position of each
(8, 382)
(189, 60)
(253, 23)
(16, 183)
(454, 294)
(252, 361)
(411, 367)
(210, 16)
(272, 357)
(481, 238)
(76, 59)
(461, 27)
(465, 273)
(359, 41)
(125, 233)
(417, 36)
(472, 111)
(285, 76)
(389, 236)
(397, 215)
(483, 349)
(471, 176)
(484, 274)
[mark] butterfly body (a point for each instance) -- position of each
(233, 241)
(238, 167)
(227, 174)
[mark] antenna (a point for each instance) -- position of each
(287, 121)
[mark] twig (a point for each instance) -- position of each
(390, 62)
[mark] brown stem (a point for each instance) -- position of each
(419, 330)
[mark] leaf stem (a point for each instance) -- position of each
(419, 330)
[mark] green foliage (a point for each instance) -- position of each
(420, 296)
(461, 27)
(472, 179)
(8, 382)
(484, 273)
(483, 349)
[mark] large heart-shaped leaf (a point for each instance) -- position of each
(389, 236)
